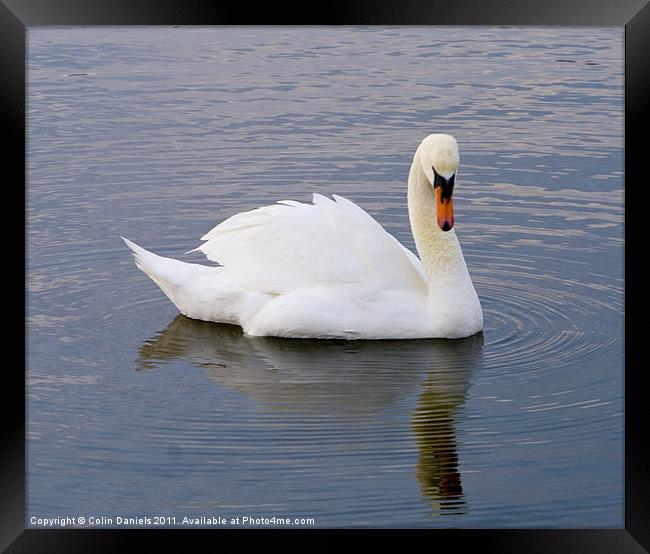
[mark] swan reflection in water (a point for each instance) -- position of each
(341, 378)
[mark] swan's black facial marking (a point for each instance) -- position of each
(447, 185)
(444, 206)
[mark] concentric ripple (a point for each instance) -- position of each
(528, 322)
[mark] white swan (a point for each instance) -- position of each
(329, 270)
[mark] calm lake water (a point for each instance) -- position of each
(159, 133)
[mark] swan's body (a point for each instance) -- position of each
(329, 270)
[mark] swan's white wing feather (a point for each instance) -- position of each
(368, 231)
(292, 245)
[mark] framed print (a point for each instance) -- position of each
(374, 271)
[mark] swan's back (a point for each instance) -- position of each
(291, 246)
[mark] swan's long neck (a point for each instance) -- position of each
(439, 251)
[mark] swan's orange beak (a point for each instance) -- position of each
(445, 207)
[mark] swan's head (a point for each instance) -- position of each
(439, 159)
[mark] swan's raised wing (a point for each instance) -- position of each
(292, 245)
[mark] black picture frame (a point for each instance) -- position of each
(17, 15)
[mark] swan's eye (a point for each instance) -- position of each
(438, 180)
(447, 185)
